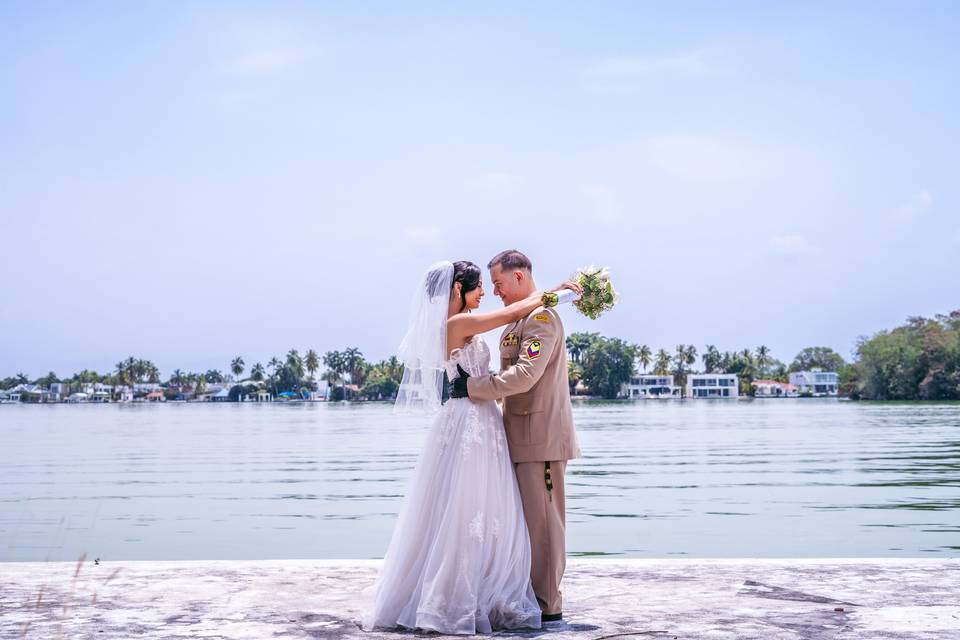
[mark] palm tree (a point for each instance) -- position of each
(295, 364)
(312, 362)
(274, 365)
(334, 361)
(711, 359)
(574, 375)
(201, 386)
(393, 368)
(686, 354)
(644, 356)
(125, 373)
(353, 363)
(661, 365)
(780, 374)
(763, 358)
(256, 373)
(131, 365)
(579, 343)
(236, 366)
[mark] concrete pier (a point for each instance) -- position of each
(815, 599)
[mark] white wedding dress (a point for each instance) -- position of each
(459, 559)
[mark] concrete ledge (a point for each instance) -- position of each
(684, 598)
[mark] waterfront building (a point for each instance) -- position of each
(98, 391)
(712, 385)
(773, 389)
(59, 391)
(221, 395)
(650, 386)
(33, 393)
(261, 395)
(144, 388)
(816, 382)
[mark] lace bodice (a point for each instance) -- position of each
(474, 357)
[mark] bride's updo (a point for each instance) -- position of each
(468, 275)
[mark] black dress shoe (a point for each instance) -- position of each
(551, 617)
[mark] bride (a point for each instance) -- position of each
(459, 558)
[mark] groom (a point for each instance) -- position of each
(538, 420)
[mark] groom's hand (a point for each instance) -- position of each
(458, 387)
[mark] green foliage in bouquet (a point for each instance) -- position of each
(598, 292)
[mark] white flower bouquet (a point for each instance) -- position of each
(598, 296)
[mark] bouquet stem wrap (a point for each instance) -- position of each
(553, 298)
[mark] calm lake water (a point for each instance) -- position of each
(772, 478)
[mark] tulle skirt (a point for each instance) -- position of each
(459, 558)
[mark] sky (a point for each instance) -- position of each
(189, 182)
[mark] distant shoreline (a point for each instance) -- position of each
(575, 399)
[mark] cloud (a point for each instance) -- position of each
(495, 181)
(270, 59)
(695, 62)
(246, 45)
(791, 245)
(706, 157)
(914, 207)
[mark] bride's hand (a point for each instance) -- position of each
(572, 286)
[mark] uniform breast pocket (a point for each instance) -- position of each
(527, 426)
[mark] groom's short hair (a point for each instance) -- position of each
(511, 259)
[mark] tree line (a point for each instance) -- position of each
(603, 365)
(919, 360)
(348, 373)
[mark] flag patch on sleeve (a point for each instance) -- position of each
(533, 350)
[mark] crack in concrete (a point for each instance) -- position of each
(780, 593)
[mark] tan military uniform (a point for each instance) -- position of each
(533, 382)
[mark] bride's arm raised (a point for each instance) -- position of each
(471, 324)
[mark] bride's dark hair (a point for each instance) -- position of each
(468, 275)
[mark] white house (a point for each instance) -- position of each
(712, 385)
(59, 391)
(773, 389)
(650, 386)
(816, 382)
(98, 392)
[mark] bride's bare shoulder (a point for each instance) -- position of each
(458, 316)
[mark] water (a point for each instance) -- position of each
(773, 478)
